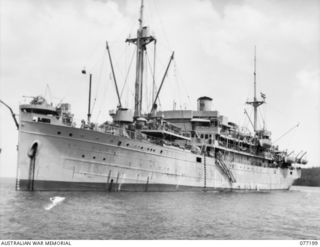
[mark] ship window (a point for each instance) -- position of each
(161, 151)
(70, 134)
(206, 136)
(127, 144)
(199, 159)
(59, 133)
(141, 147)
(119, 143)
(104, 158)
(44, 120)
(83, 156)
(201, 136)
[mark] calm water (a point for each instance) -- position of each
(291, 214)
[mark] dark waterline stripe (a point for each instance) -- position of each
(42, 185)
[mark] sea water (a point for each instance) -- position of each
(293, 214)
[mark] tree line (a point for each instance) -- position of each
(309, 177)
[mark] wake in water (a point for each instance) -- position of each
(54, 202)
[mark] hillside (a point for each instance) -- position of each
(309, 177)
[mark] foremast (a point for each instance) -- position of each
(141, 41)
(255, 103)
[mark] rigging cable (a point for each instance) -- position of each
(178, 77)
(99, 82)
(287, 132)
(248, 118)
(162, 26)
(177, 81)
(104, 88)
(146, 84)
(127, 75)
(262, 119)
(154, 88)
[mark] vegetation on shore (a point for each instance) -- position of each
(309, 177)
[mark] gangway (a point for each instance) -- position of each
(222, 165)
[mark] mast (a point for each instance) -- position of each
(255, 106)
(114, 76)
(141, 41)
(154, 71)
(164, 77)
(255, 103)
(89, 100)
(89, 104)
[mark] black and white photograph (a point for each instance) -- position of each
(159, 120)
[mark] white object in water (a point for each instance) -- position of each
(54, 202)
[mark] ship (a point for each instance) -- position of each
(169, 150)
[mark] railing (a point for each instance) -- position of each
(162, 127)
(134, 135)
(119, 131)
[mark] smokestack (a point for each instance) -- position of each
(204, 103)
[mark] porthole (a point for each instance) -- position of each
(59, 133)
(83, 156)
(94, 157)
(141, 147)
(127, 144)
(104, 159)
(161, 151)
(119, 143)
(70, 134)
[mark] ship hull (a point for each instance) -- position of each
(55, 157)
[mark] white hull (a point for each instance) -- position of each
(70, 158)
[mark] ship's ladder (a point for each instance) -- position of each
(203, 148)
(225, 169)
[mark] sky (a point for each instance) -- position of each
(45, 44)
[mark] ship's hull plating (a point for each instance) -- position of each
(53, 157)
